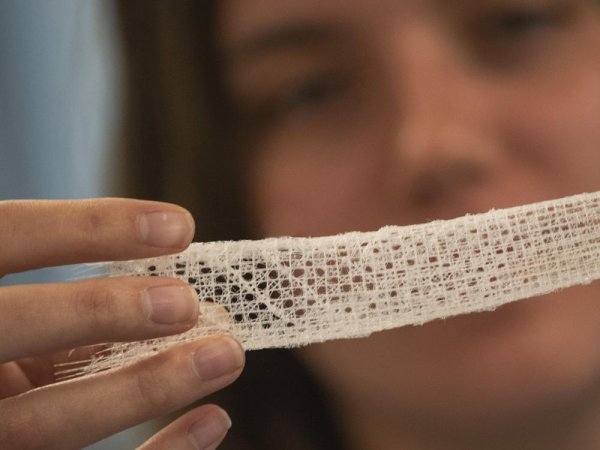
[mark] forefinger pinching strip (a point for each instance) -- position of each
(287, 292)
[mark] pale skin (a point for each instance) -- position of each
(40, 323)
(382, 112)
(362, 113)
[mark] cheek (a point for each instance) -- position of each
(554, 126)
(306, 188)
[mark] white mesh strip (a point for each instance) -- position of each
(295, 291)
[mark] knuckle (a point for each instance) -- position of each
(153, 389)
(97, 305)
(93, 221)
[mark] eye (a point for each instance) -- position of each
(519, 36)
(311, 94)
(520, 22)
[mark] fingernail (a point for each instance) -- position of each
(210, 430)
(170, 304)
(217, 357)
(166, 229)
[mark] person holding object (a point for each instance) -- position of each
(309, 118)
(40, 324)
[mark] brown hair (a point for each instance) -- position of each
(179, 146)
(177, 126)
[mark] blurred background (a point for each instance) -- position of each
(59, 102)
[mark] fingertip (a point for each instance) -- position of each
(166, 229)
(209, 430)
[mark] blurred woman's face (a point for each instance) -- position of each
(364, 113)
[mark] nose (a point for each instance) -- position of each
(441, 146)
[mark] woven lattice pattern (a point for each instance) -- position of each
(294, 291)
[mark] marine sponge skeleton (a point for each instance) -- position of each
(287, 292)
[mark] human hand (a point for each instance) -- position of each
(40, 323)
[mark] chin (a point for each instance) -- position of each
(527, 361)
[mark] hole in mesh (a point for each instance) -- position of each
(298, 272)
(320, 272)
(288, 303)
(192, 280)
(372, 305)
(389, 265)
(247, 276)
(346, 288)
(348, 309)
(368, 269)
(218, 291)
(275, 295)
(357, 279)
(273, 274)
(410, 262)
(299, 312)
(221, 279)
(285, 283)
(205, 270)
(298, 292)
(253, 316)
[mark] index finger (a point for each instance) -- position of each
(39, 233)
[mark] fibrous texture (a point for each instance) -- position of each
(288, 292)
